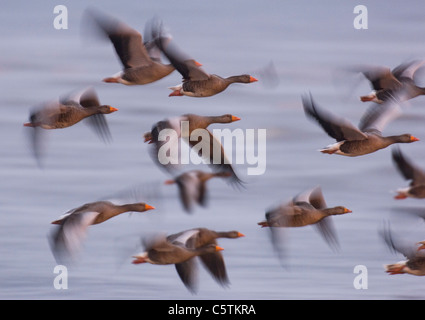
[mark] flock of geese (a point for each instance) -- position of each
(141, 64)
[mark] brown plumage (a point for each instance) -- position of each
(415, 256)
(208, 147)
(196, 81)
(66, 112)
(213, 262)
(140, 59)
(163, 251)
(70, 110)
(365, 139)
(389, 84)
(307, 208)
(67, 239)
(193, 187)
(409, 171)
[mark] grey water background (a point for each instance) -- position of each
(307, 42)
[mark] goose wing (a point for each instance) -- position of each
(338, 128)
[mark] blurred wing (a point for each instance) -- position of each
(189, 188)
(183, 237)
(396, 244)
(215, 265)
(327, 231)
(183, 63)
(336, 127)
(380, 77)
(378, 116)
(406, 168)
(149, 42)
(408, 69)
(157, 241)
(313, 196)
(216, 158)
(188, 272)
(161, 149)
(67, 240)
(317, 199)
(89, 98)
(127, 42)
(100, 126)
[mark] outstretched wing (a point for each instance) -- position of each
(338, 128)
(66, 241)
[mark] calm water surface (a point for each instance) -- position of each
(307, 43)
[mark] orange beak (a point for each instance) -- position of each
(252, 79)
(412, 138)
(198, 64)
(347, 210)
(241, 234)
(148, 207)
(112, 109)
(235, 118)
(217, 248)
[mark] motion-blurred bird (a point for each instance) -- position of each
(209, 148)
(388, 84)
(307, 208)
(213, 262)
(415, 258)
(67, 111)
(365, 139)
(66, 240)
(141, 60)
(192, 187)
(196, 82)
(161, 251)
(409, 171)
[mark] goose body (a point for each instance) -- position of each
(67, 239)
(194, 122)
(213, 261)
(353, 141)
(162, 250)
(192, 187)
(307, 208)
(414, 262)
(388, 84)
(196, 81)
(139, 56)
(71, 109)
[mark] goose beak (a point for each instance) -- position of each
(252, 79)
(347, 210)
(240, 235)
(198, 64)
(112, 109)
(217, 248)
(234, 118)
(412, 138)
(148, 207)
